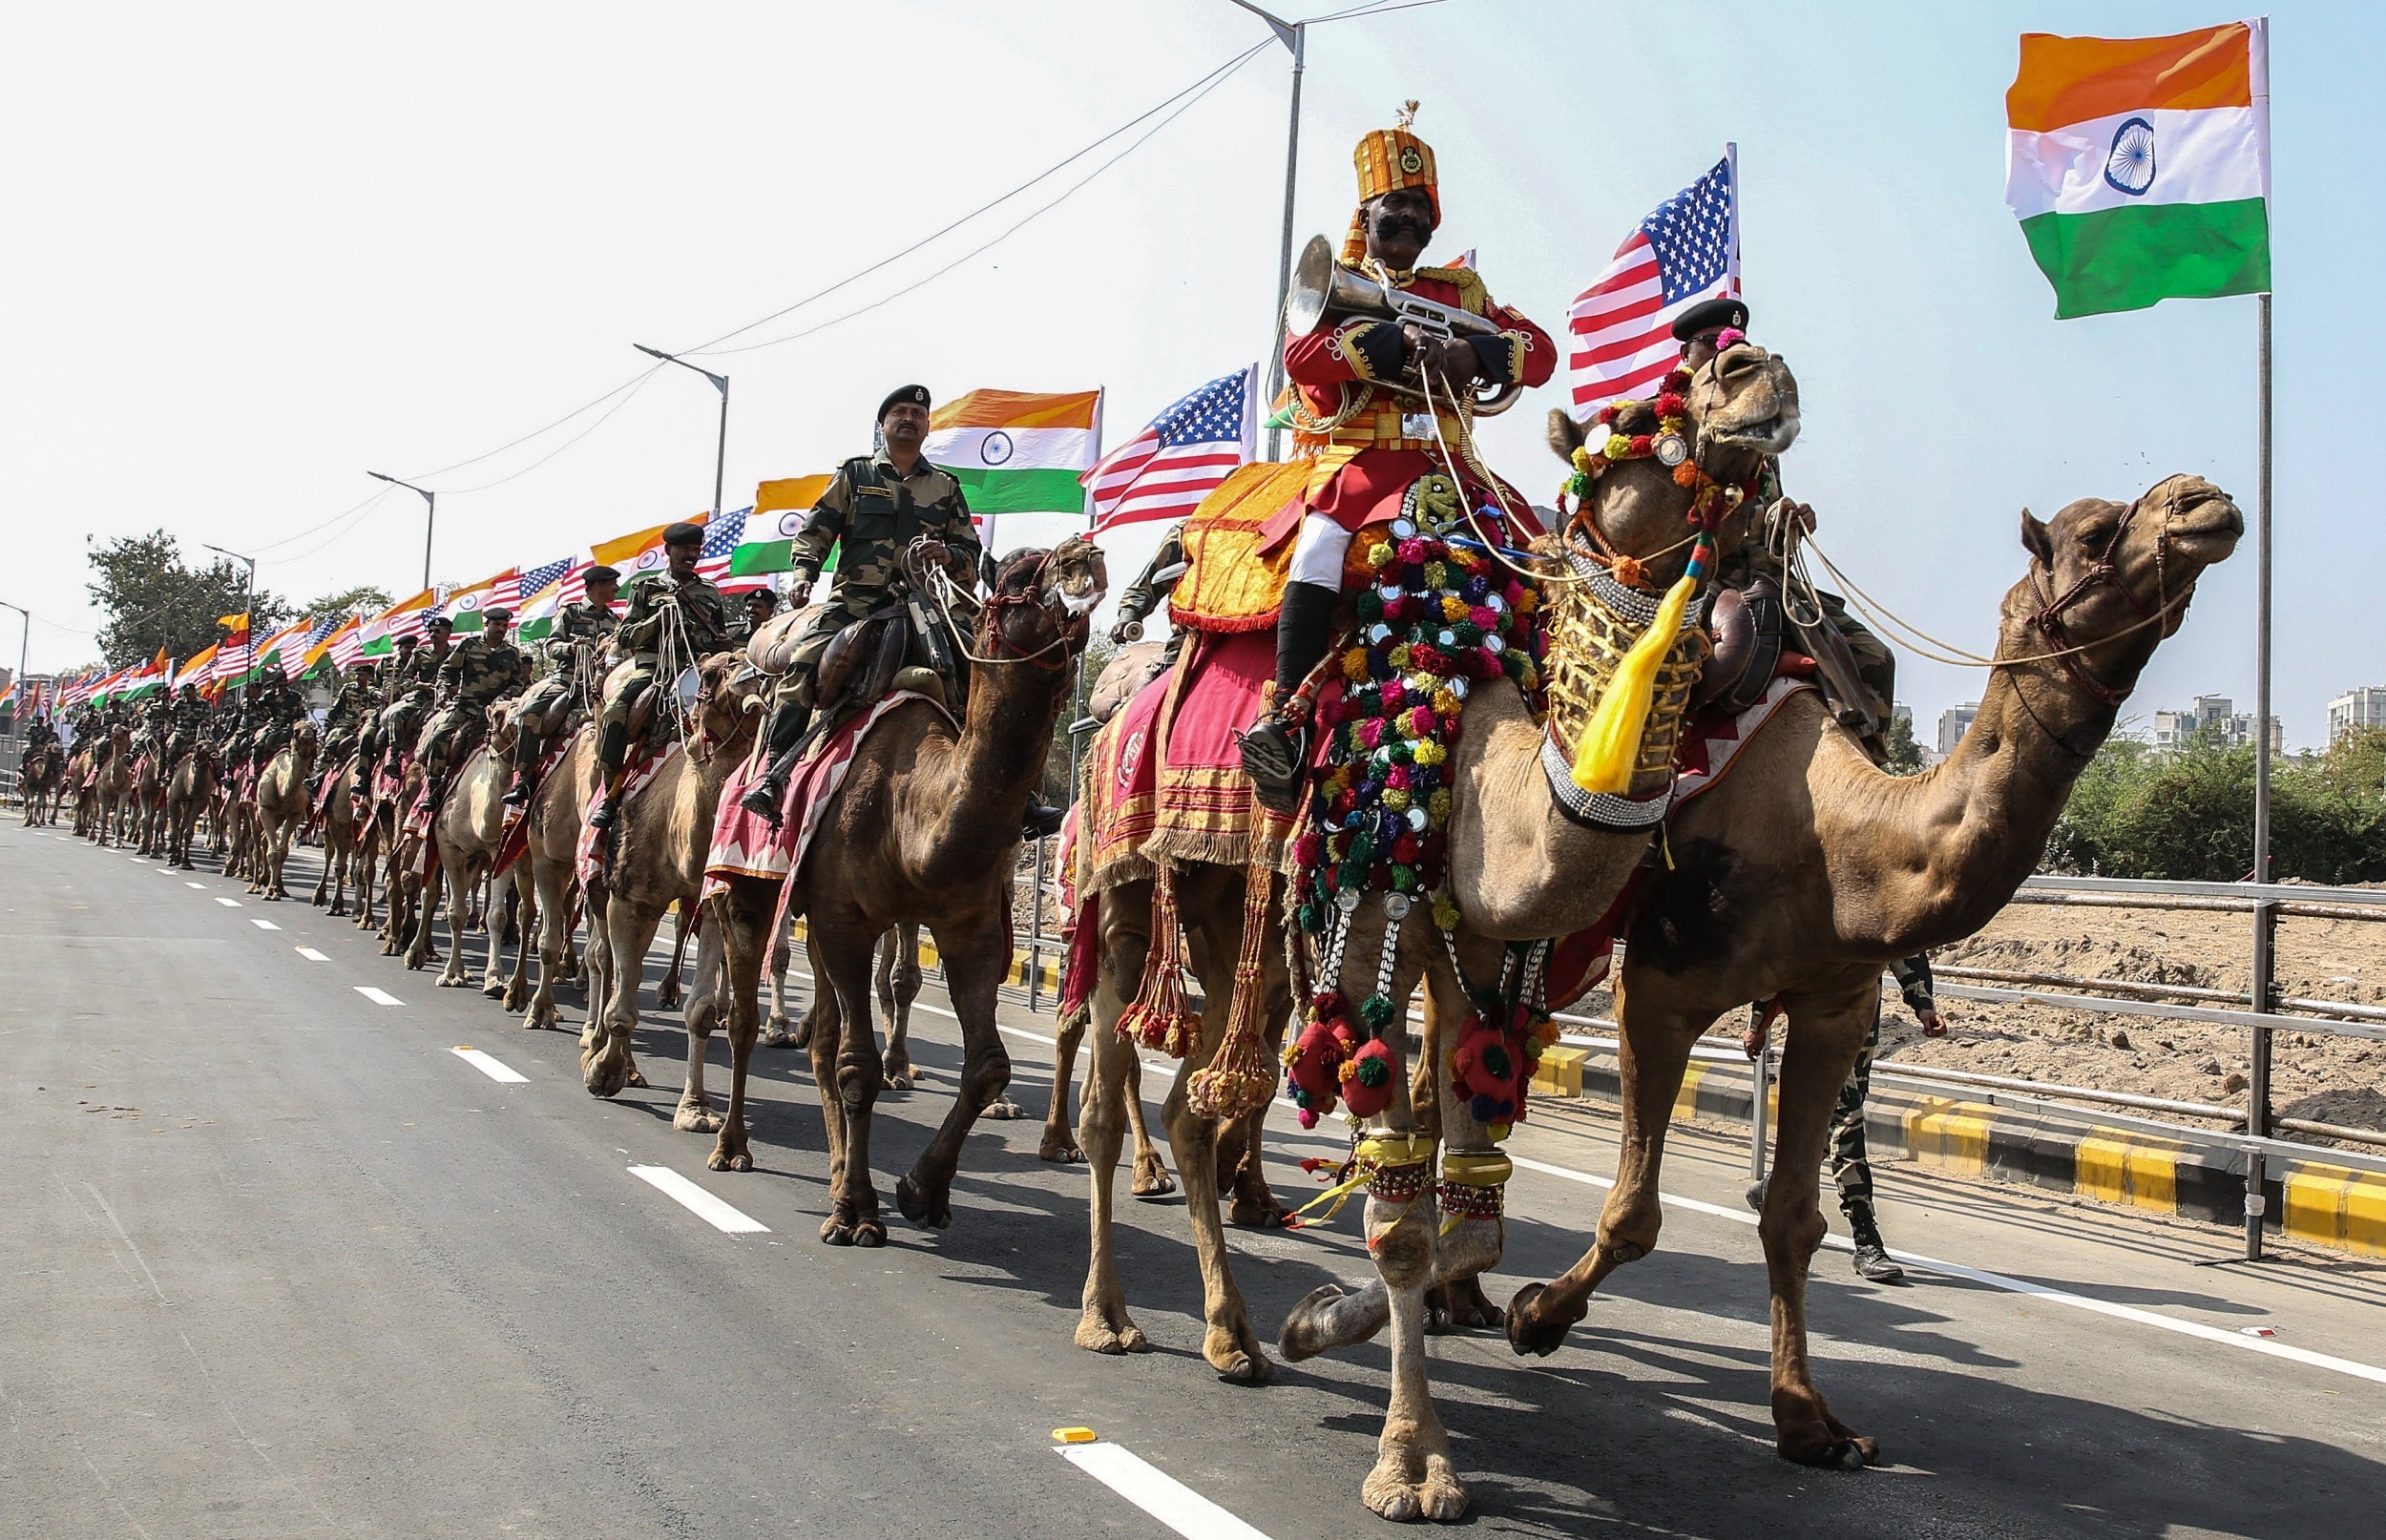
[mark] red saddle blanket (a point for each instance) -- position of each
(331, 787)
(516, 841)
(593, 853)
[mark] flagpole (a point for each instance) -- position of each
(1294, 35)
(1731, 160)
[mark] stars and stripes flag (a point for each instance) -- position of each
(534, 581)
(1164, 471)
(299, 653)
(347, 646)
(722, 534)
(1687, 250)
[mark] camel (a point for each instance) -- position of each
(556, 814)
(923, 830)
(39, 780)
(657, 859)
(1806, 870)
(111, 791)
(341, 847)
(148, 798)
(280, 808)
(399, 885)
(187, 795)
(1518, 869)
(471, 826)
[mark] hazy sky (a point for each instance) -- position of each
(254, 251)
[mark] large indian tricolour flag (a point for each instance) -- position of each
(2139, 166)
(1016, 453)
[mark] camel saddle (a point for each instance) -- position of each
(1129, 669)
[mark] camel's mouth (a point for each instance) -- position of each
(1772, 436)
(2206, 526)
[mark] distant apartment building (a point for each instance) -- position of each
(1953, 724)
(2212, 717)
(2364, 707)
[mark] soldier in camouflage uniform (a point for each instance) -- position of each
(676, 608)
(1151, 590)
(873, 510)
(413, 687)
(187, 719)
(274, 708)
(761, 604)
(344, 724)
(478, 673)
(580, 626)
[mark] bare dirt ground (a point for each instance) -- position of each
(2323, 1078)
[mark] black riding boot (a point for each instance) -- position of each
(613, 746)
(527, 751)
(1872, 1262)
(1274, 754)
(787, 723)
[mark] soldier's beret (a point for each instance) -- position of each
(916, 395)
(601, 574)
(407, 638)
(498, 617)
(683, 534)
(439, 620)
(1710, 315)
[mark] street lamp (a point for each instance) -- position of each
(1293, 35)
(249, 603)
(720, 383)
(24, 650)
(431, 515)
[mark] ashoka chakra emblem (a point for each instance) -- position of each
(2129, 165)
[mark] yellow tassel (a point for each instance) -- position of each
(1611, 744)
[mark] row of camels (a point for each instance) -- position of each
(1799, 875)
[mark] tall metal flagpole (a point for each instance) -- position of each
(2265, 912)
(1295, 36)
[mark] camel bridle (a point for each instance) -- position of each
(2048, 621)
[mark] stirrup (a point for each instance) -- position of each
(1273, 758)
(517, 795)
(762, 799)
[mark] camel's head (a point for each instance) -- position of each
(1740, 407)
(727, 695)
(1042, 601)
(2113, 579)
(503, 735)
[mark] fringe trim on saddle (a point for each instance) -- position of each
(1241, 1075)
(1158, 1018)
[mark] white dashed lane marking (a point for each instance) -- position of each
(1158, 1493)
(699, 1202)
(312, 955)
(503, 1074)
(264, 925)
(201, 885)
(229, 904)
(379, 997)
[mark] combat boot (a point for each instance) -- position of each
(1872, 1262)
(612, 746)
(1275, 755)
(525, 756)
(786, 730)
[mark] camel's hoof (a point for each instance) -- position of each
(494, 989)
(1245, 1368)
(1460, 1306)
(1097, 1335)
(637, 1078)
(1834, 1453)
(836, 1232)
(1004, 1110)
(1260, 1212)
(1527, 1331)
(776, 1036)
(1060, 1148)
(696, 1118)
(730, 1160)
(935, 1212)
(899, 1079)
(1303, 1335)
(1392, 1493)
(601, 1078)
(870, 1234)
(1152, 1179)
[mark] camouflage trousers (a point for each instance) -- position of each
(795, 687)
(1851, 1168)
(452, 732)
(1875, 663)
(612, 718)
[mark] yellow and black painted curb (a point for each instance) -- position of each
(2063, 1151)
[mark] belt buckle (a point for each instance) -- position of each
(1417, 426)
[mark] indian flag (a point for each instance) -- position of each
(404, 619)
(538, 618)
(638, 552)
(196, 669)
(1015, 452)
(781, 507)
(146, 678)
(465, 604)
(2139, 166)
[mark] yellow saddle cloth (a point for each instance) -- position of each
(1229, 585)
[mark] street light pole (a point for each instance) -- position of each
(24, 652)
(1294, 35)
(720, 383)
(431, 515)
(248, 604)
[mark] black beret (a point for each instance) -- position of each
(916, 395)
(407, 638)
(601, 574)
(499, 617)
(439, 620)
(683, 534)
(1710, 315)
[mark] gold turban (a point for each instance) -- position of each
(1390, 160)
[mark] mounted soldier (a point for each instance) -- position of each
(674, 613)
(413, 687)
(39, 735)
(1379, 401)
(343, 726)
(384, 689)
(274, 708)
(478, 673)
(570, 652)
(875, 508)
(761, 604)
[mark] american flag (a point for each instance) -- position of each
(1164, 471)
(722, 534)
(535, 580)
(295, 653)
(348, 648)
(1686, 251)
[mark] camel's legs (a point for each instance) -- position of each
(1655, 1051)
(977, 954)
(667, 993)
(1229, 1344)
(629, 931)
(1105, 1327)
(840, 958)
(454, 872)
(1059, 1143)
(824, 1051)
(741, 916)
(1825, 1036)
(418, 951)
(703, 1007)
(501, 914)
(896, 974)
(527, 936)
(781, 953)
(553, 910)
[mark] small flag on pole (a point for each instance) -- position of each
(2139, 166)
(1685, 251)
(1165, 470)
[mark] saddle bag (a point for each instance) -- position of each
(1747, 626)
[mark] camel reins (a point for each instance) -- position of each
(990, 611)
(2049, 620)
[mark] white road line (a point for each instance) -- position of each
(379, 997)
(229, 904)
(1158, 1493)
(504, 1074)
(699, 1202)
(2016, 1285)
(264, 925)
(195, 885)
(312, 955)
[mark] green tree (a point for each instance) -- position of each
(1905, 756)
(152, 600)
(366, 598)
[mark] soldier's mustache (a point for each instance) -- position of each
(1403, 224)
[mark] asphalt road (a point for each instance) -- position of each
(276, 1261)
